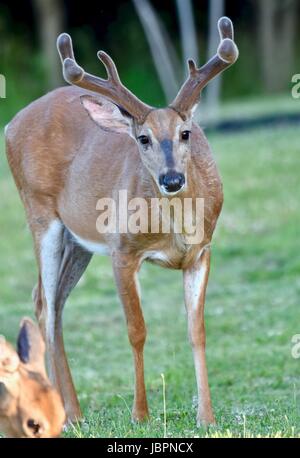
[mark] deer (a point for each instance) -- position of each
(30, 407)
(86, 141)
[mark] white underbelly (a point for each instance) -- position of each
(103, 249)
(162, 257)
(92, 247)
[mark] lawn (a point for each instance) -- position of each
(252, 308)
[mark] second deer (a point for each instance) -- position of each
(29, 406)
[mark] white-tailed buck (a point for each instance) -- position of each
(29, 405)
(71, 148)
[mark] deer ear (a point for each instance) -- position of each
(107, 115)
(31, 347)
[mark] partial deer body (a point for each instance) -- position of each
(71, 148)
(29, 406)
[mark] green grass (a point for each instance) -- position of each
(252, 308)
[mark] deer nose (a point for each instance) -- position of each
(172, 181)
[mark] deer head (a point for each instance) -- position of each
(163, 135)
(29, 405)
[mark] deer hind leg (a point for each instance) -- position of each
(74, 262)
(125, 271)
(62, 263)
(195, 282)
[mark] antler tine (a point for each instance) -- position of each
(227, 54)
(112, 88)
(110, 66)
(65, 47)
(225, 27)
(71, 70)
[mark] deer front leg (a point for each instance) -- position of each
(195, 282)
(125, 271)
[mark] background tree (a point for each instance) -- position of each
(188, 34)
(160, 46)
(50, 21)
(277, 21)
(213, 91)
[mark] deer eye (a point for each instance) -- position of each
(144, 140)
(35, 427)
(185, 135)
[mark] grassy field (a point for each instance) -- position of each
(252, 308)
